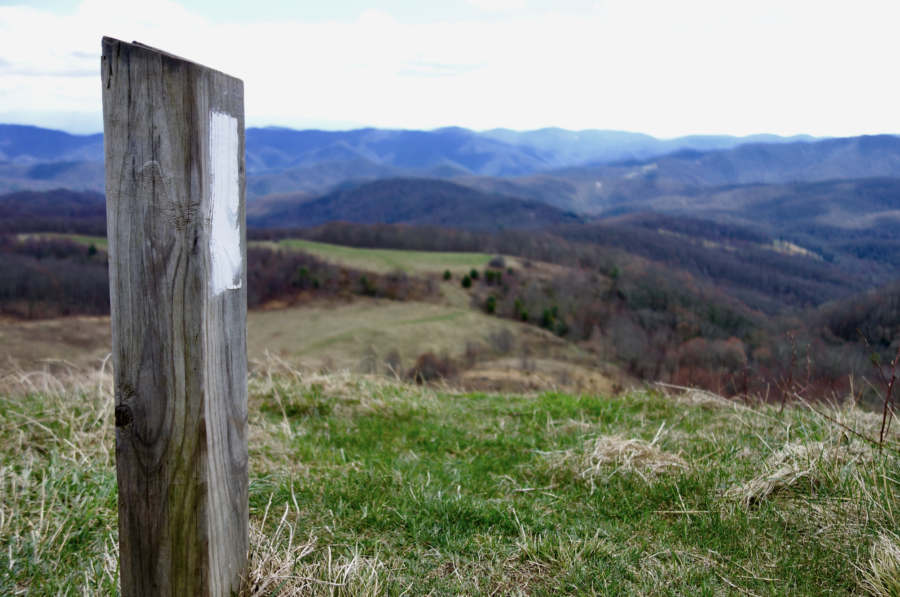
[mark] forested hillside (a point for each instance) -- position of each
(408, 201)
(661, 322)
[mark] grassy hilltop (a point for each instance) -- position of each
(363, 486)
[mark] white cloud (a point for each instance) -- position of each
(497, 5)
(659, 67)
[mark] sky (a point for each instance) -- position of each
(662, 67)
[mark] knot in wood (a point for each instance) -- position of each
(123, 415)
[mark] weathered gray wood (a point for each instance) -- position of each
(174, 136)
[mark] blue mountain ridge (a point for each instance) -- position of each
(498, 152)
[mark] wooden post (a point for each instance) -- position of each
(174, 141)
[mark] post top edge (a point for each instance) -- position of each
(144, 47)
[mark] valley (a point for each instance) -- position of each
(700, 261)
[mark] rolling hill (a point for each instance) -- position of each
(769, 163)
(60, 210)
(32, 144)
(45, 176)
(685, 175)
(327, 175)
(850, 222)
(406, 201)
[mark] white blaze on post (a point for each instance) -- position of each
(225, 231)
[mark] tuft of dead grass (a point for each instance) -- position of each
(606, 455)
(800, 468)
(281, 563)
(882, 579)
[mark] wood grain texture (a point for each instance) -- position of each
(179, 346)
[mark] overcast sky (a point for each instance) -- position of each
(662, 67)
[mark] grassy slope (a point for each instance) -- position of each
(348, 333)
(343, 333)
(385, 260)
(390, 489)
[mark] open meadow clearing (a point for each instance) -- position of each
(346, 334)
(386, 260)
(363, 486)
(340, 333)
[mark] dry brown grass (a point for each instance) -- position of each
(607, 455)
(882, 578)
(800, 466)
(627, 455)
(57, 487)
(284, 564)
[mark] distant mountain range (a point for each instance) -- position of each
(498, 152)
(587, 171)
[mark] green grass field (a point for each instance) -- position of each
(360, 486)
(98, 241)
(385, 260)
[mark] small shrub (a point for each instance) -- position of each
(491, 304)
(430, 367)
(300, 278)
(467, 282)
(523, 315)
(368, 288)
(509, 271)
(447, 274)
(473, 274)
(497, 262)
(518, 307)
(561, 328)
(547, 319)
